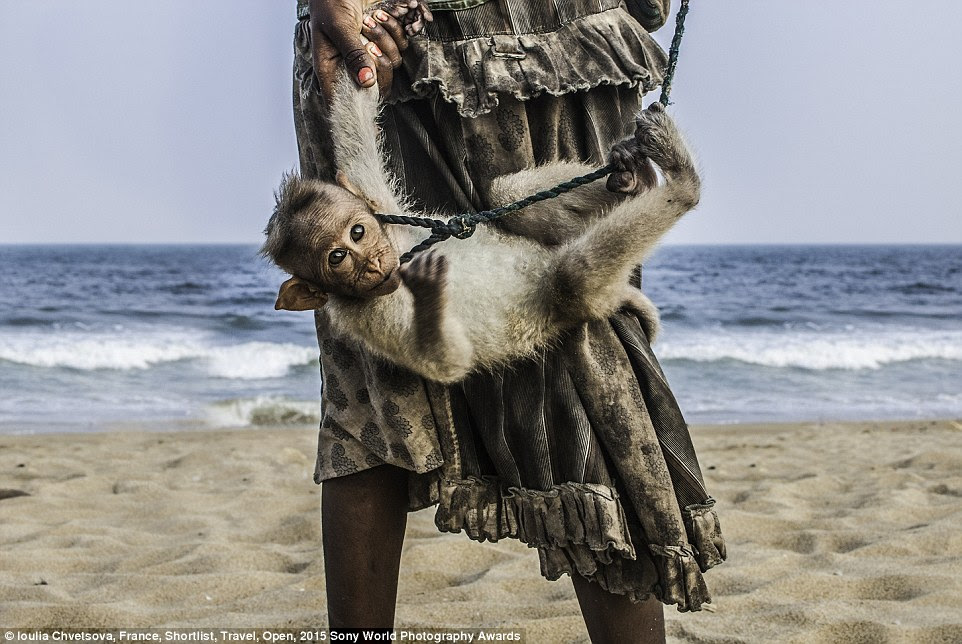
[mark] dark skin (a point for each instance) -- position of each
(364, 515)
(348, 33)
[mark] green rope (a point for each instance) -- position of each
(463, 225)
(673, 53)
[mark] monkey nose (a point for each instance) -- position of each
(374, 265)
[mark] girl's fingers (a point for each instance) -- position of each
(389, 53)
(377, 32)
(393, 27)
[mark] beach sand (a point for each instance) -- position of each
(848, 532)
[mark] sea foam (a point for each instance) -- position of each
(125, 350)
(850, 349)
(261, 411)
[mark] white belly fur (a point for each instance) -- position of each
(494, 285)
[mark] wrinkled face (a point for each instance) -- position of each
(354, 256)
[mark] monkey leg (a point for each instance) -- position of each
(555, 221)
(363, 517)
(357, 144)
(590, 272)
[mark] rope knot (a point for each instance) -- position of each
(460, 227)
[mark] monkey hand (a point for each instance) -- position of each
(425, 275)
(412, 14)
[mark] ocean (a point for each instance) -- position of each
(93, 337)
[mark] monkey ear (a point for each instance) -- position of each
(297, 295)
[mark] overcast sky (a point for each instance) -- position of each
(170, 121)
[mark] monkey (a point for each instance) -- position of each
(503, 293)
(411, 14)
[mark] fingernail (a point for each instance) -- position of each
(374, 49)
(380, 15)
(369, 22)
(365, 74)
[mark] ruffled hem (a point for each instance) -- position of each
(606, 48)
(581, 528)
(704, 532)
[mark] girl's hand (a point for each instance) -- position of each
(369, 43)
(387, 26)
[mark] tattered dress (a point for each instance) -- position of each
(581, 452)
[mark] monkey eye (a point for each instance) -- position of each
(337, 256)
(357, 232)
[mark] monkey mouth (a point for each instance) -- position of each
(388, 276)
(387, 285)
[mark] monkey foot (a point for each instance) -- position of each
(633, 172)
(659, 139)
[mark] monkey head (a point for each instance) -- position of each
(327, 237)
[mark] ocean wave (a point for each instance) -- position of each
(262, 411)
(759, 320)
(244, 322)
(26, 321)
(185, 288)
(922, 288)
(852, 349)
(119, 350)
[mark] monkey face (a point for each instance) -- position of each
(327, 237)
(360, 261)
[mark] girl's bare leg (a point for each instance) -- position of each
(614, 619)
(363, 517)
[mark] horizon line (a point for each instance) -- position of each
(667, 245)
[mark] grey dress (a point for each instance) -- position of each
(581, 452)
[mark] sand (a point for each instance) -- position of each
(848, 532)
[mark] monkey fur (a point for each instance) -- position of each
(505, 292)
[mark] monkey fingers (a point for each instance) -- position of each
(645, 175)
(623, 182)
(425, 273)
(411, 14)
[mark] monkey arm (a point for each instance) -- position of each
(411, 327)
(554, 221)
(589, 272)
(439, 347)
